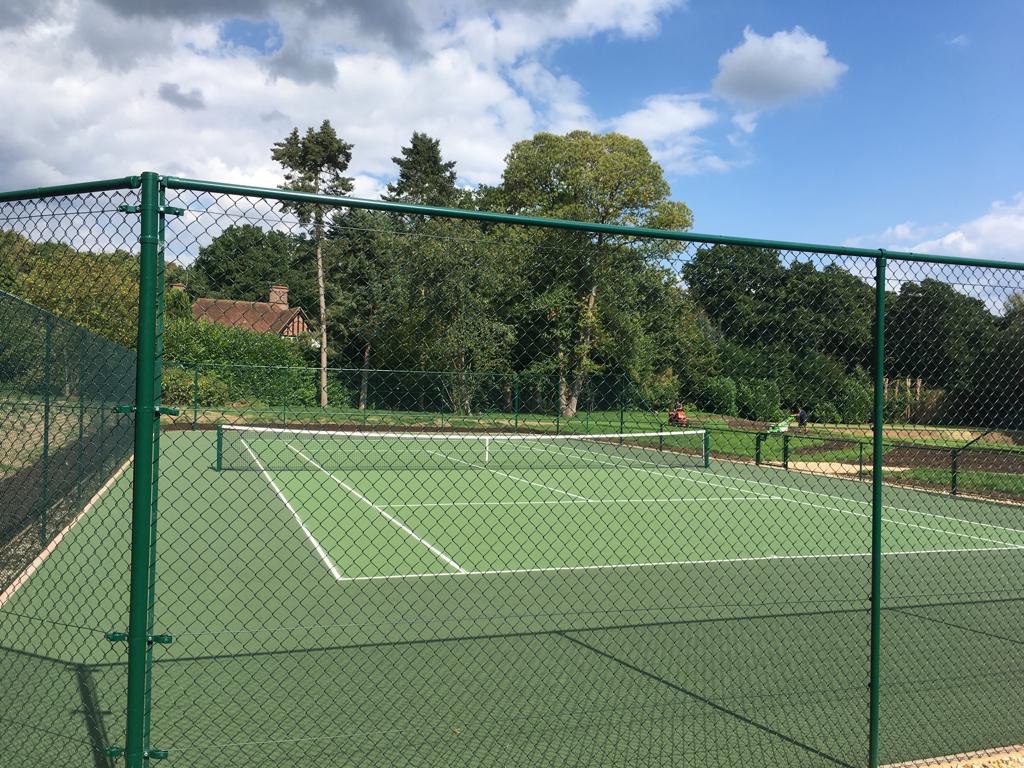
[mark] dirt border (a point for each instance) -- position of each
(1002, 757)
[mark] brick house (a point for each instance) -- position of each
(271, 316)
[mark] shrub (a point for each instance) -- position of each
(758, 399)
(255, 368)
(825, 412)
(853, 402)
(719, 396)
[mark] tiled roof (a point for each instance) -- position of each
(260, 316)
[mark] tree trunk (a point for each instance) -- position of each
(364, 379)
(569, 395)
(323, 308)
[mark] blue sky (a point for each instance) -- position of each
(926, 125)
(882, 124)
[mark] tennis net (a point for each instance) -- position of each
(275, 448)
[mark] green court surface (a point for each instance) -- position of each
(620, 611)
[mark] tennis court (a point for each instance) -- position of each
(369, 599)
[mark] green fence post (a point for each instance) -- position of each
(757, 448)
(558, 405)
(81, 427)
(515, 401)
(954, 467)
(219, 465)
(707, 448)
(860, 465)
(195, 395)
(146, 422)
(785, 451)
(47, 382)
(622, 406)
(876, 514)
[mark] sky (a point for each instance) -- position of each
(875, 123)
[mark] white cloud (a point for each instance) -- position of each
(669, 124)
(996, 234)
(765, 72)
(960, 41)
(110, 87)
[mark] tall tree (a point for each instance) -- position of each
(315, 163)
(606, 179)
(424, 176)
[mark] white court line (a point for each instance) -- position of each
(766, 484)
(25, 575)
(818, 506)
(542, 502)
(667, 563)
(511, 477)
(390, 518)
(324, 557)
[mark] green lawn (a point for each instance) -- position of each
(628, 608)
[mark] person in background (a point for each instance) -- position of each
(677, 416)
(801, 417)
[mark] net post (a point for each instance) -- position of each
(860, 465)
(876, 513)
(146, 421)
(954, 467)
(707, 448)
(220, 448)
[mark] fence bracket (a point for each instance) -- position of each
(117, 636)
(149, 754)
(160, 410)
(166, 210)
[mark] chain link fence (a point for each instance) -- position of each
(564, 494)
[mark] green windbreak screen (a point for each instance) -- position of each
(68, 298)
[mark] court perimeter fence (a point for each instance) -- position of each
(804, 599)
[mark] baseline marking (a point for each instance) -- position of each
(390, 518)
(324, 557)
(667, 563)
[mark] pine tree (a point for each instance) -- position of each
(423, 175)
(315, 163)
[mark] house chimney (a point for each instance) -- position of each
(279, 295)
(177, 286)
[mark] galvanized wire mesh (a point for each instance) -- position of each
(575, 497)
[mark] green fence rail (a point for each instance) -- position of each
(544, 517)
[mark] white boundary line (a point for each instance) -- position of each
(825, 507)
(667, 563)
(512, 477)
(765, 484)
(390, 518)
(324, 557)
(34, 566)
(556, 502)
